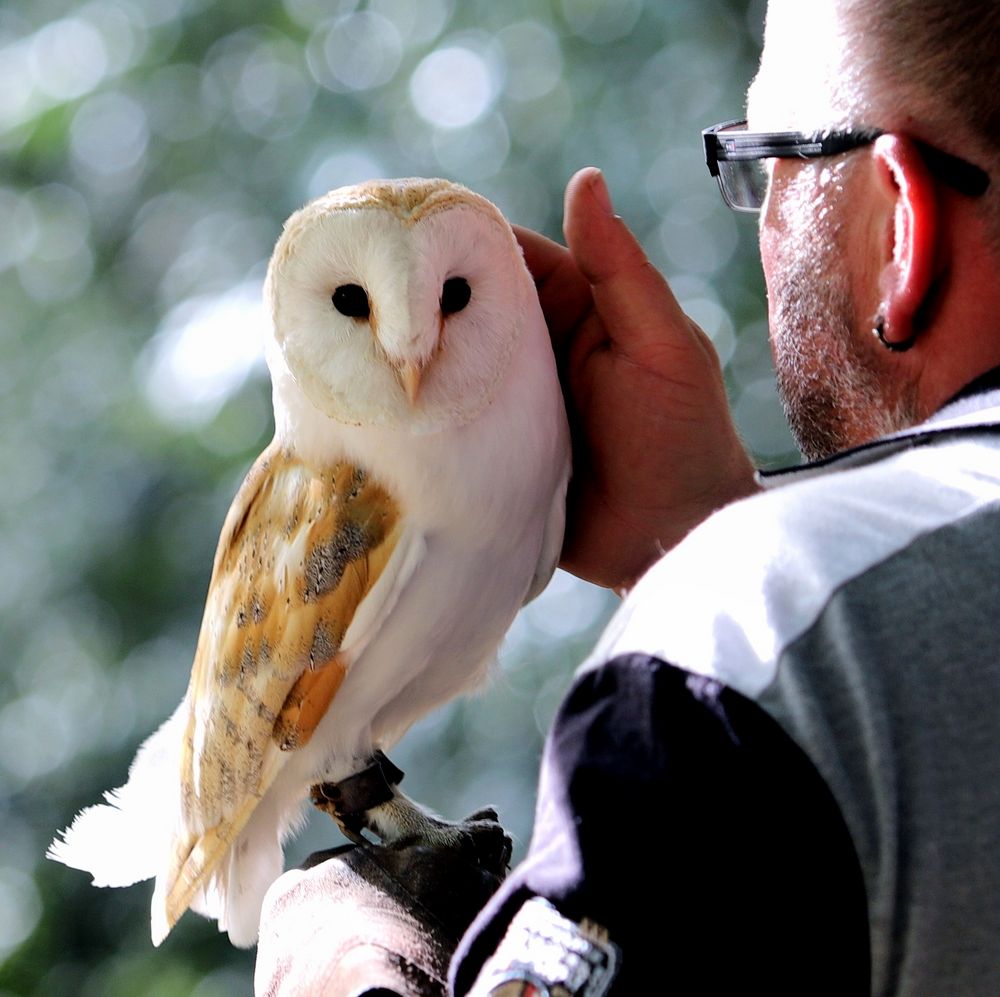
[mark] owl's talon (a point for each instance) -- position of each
(487, 813)
(326, 796)
(481, 839)
(487, 843)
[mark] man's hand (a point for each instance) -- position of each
(374, 919)
(655, 449)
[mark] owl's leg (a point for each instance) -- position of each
(372, 800)
(401, 821)
(349, 800)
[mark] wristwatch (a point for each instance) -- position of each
(544, 954)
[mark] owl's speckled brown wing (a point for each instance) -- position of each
(300, 549)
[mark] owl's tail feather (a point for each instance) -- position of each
(255, 862)
(123, 841)
(138, 834)
(232, 895)
(223, 872)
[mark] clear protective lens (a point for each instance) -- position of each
(742, 173)
(744, 183)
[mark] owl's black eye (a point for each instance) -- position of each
(352, 300)
(455, 295)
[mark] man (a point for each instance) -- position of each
(779, 768)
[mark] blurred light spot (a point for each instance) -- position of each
(173, 102)
(673, 175)
(715, 321)
(271, 97)
(153, 676)
(309, 13)
(22, 842)
(239, 425)
(752, 356)
(73, 687)
(541, 124)
(166, 12)
(547, 701)
(65, 60)
(601, 20)
(474, 153)
(13, 23)
(256, 77)
(688, 287)
(616, 126)
(201, 268)
(216, 252)
(21, 231)
(20, 908)
(522, 196)
(86, 368)
(25, 468)
(357, 52)
(452, 87)
(492, 725)
(68, 59)
(35, 738)
(340, 168)
(682, 83)
(109, 134)
(698, 234)
(34, 575)
(534, 60)
(160, 228)
(761, 420)
(48, 281)
(412, 140)
(203, 352)
(18, 97)
(567, 608)
(122, 29)
(419, 23)
(61, 221)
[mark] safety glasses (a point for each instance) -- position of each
(738, 159)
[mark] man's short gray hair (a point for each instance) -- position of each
(935, 63)
(942, 54)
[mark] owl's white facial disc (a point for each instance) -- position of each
(398, 303)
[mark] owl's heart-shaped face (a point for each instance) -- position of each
(398, 303)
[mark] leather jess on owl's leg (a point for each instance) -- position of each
(370, 799)
(349, 800)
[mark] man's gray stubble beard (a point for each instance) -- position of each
(832, 395)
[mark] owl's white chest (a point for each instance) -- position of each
(480, 497)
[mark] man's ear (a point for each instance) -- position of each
(908, 270)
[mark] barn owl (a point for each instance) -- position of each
(411, 501)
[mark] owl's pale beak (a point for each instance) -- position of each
(409, 374)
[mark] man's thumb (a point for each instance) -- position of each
(629, 292)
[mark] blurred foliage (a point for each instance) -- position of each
(149, 151)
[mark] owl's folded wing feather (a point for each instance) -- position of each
(301, 551)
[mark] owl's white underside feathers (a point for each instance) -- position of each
(412, 500)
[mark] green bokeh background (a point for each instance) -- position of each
(149, 151)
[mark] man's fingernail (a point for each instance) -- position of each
(601, 195)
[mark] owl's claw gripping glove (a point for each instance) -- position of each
(376, 920)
